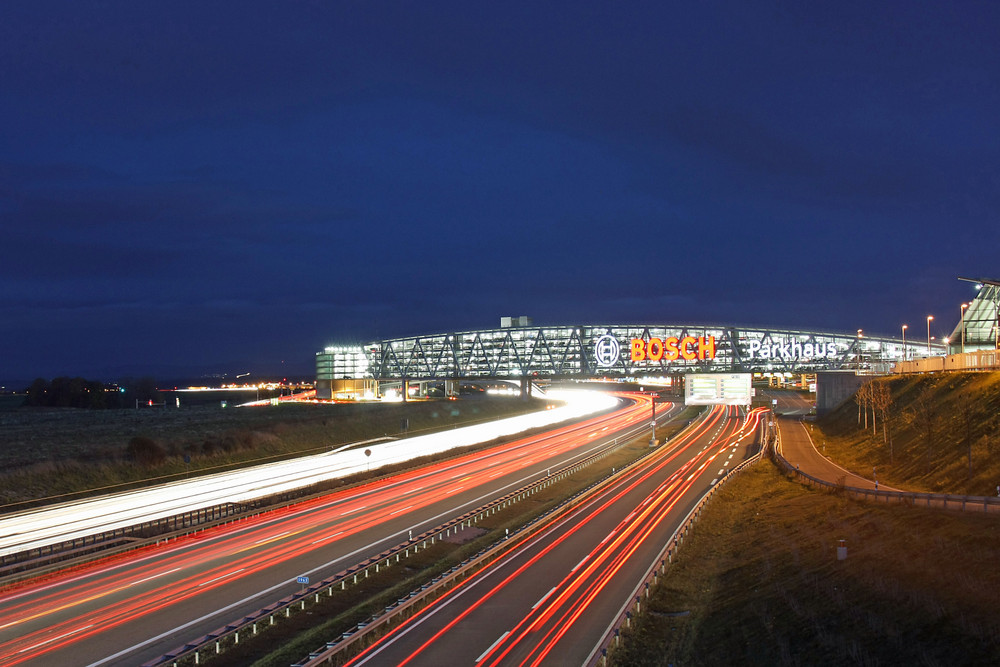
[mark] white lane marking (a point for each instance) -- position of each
(274, 537)
(328, 537)
(712, 483)
(402, 509)
(544, 597)
(205, 583)
(49, 641)
(282, 585)
(356, 509)
(155, 576)
(721, 470)
(492, 646)
(584, 560)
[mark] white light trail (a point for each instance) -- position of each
(51, 525)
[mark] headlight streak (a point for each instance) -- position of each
(271, 547)
(599, 572)
(67, 521)
(591, 508)
(389, 490)
(559, 611)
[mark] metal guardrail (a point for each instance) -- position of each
(38, 560)
(946, 501)
(771, 443)
(215, 642)
(633, 606)
(483, 558)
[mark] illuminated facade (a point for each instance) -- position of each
(611, 351)
(979, 328)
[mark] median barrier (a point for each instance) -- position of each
(218, 640)
(612, 635)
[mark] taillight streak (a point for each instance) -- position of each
(592, 508)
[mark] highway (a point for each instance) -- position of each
(132, 608)
(23, 531)
(799, 448)
(552, 599)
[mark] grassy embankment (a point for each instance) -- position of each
(47, 453)
(936, 422)
(759, 583)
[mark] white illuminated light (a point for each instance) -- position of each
(68, 521)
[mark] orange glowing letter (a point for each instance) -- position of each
(686, 350)
(706, 347)
(655, 349)
(670, 351)
(638, 349)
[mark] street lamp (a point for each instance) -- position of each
(905, 327)
(929, 318)
(964, 306)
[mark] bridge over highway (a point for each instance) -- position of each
(616, 351)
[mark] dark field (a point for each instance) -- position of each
(51, 451)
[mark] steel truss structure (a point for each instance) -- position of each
(606, 351)
(979, 328)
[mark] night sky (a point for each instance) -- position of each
(231, 186)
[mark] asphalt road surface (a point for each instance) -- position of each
(554, 598)
(129, 609)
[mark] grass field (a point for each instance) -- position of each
(759, 583)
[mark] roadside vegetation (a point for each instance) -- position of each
(937, 432)
(758, 583)
(47, 453)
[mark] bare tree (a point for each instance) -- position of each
(883, 400)
(863, 398)
(859, 398)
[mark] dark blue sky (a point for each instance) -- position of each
(230, 185)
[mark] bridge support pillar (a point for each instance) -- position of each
(451, 388)
(525, 388)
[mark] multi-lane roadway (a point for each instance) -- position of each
(132, 608)
(551, 600)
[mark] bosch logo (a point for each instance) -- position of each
(607, 350)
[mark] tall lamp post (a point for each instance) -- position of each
(905, 355)
(929, 318)
(964, 306)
